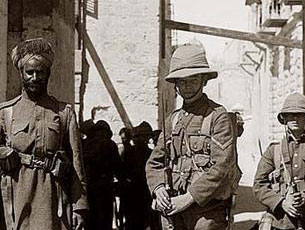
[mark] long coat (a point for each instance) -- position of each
(33, 198)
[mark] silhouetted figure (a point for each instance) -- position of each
(125, 144)
(125, 148)
(136, 197)
(102, 164)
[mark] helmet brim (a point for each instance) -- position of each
(281, 115)
(188, 72)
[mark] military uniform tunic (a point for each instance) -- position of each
(35, 199)
(210, 188)
(269, 184)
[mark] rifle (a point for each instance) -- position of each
(291, 181)
(168, 179)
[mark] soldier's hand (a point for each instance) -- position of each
(78, 222)
(292, 202)
(180, 203)
(298, 200)
(163, 199)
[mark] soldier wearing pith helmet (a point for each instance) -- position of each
(43, 182)
(279, 181)
(202, 158)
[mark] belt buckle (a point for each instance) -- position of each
(38, 163)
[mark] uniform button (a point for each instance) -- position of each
(195, 146)
(295, 154)
(295, 165)
(183, 142)
(295, 178)
(186, 114)
(182, 173)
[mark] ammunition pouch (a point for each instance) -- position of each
(201, 152)
(57, 164)
(187, 167)
(62, 165)
(201, 155)
(277, 181)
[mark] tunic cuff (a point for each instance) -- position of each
(156, 188)
(197, 198)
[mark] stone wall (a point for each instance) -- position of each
(288, 80)
(126, 37)
(279, 73)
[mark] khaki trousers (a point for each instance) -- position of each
(199, 218)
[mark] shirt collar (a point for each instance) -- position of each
(195, 104)
(26, 97)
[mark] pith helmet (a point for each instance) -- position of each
(294, 103)
(188, 61)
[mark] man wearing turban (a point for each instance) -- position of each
(43, 182)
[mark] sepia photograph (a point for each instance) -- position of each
(152, 115)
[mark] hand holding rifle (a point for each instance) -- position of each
(293, 202)
(163, 199)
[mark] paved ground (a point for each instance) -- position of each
(247, 211)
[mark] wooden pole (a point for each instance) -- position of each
(303, 13)
(3, 48)
(162, 29)
(105, 78)
(253, 37)
(81, 31)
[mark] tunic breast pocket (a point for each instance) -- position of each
(199, 144)
(53, 136)
(20, 135)
(200, 147)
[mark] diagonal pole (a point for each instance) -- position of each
(108, 84)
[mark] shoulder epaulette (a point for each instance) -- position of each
(10, 102)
